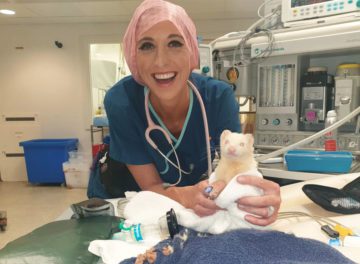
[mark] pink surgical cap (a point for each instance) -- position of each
(148, 14)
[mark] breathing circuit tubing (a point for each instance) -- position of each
(310, 138)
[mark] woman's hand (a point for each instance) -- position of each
(195, 198)
(264, 207)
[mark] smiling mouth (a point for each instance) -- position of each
(164, 77)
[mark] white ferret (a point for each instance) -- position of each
(237, 155)
(237, 159)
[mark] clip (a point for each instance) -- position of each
(329, 231)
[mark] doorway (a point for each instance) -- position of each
(107, 66)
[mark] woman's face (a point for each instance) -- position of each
(163, 60)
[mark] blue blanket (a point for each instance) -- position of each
(240, 246)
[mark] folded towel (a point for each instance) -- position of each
(224, 220)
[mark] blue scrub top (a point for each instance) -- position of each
(124, 105)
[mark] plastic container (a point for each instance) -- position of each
(330, 137)
(76, 174)
(44, 159)
(77, 169)
(318, 161)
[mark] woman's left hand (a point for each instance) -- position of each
(263, 209)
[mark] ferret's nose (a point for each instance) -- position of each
(231, 150)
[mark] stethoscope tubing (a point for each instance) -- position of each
(152, 126)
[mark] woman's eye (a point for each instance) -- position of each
(242, 144)
(146, 46)
(175, 44)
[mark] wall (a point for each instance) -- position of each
(55, 83)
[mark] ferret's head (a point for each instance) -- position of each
(236, 145)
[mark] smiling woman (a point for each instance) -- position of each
(164, 65)
(161, 50)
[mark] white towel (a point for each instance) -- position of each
(144, 207)
(224, 220)
(147, 207)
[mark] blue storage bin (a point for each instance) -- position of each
(44, 158)
(319, 161)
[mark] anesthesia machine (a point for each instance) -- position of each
(295, 73)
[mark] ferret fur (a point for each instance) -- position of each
(237, 155)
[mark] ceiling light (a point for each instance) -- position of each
(7, 12)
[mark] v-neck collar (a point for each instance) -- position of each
(161, 123)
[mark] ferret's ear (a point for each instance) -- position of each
(250, 139)
(224, 134)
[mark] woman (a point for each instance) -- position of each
(161, 50)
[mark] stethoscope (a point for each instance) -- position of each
(152, 126)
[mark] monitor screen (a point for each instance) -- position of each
(296, 3)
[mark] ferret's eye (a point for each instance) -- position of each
(242, 144)
(227, 141)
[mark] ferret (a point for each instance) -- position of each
(236, 155)
(237, 158)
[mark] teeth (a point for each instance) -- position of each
(163, 76)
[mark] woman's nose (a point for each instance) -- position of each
(161, 57)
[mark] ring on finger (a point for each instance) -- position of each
(210, 193)
(207, 190)
(270, 211)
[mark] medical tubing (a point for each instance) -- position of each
(206, 128)
(241, 46)
(179, 168)
(151, 126)
(310, 138)
(285, 215)
(251, 28)
(172, 163)
(298, 213)
(262, 5)
(318, 219)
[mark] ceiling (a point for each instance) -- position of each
(93, 11)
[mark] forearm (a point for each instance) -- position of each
(153, 182)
